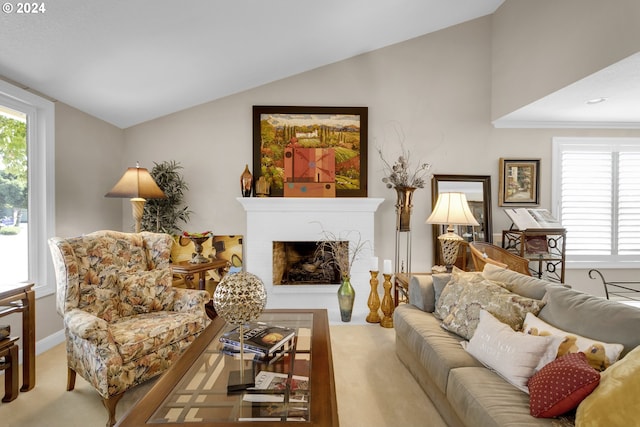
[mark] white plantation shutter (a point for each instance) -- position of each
(596, 192)
(629, 204)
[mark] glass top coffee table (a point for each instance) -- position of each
(194, 390)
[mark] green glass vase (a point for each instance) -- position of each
(346, 296)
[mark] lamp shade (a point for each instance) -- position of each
(136, 183)
(452, 209)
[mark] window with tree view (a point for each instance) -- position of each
(14, 196)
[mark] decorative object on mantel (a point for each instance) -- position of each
(198, 239)
(343, 256)
(374, 299)
(240, 298)
(451, 209)
(263, 187)
(405, 180)
(246, 182)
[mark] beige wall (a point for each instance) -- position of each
(544, 45)
(88, 161)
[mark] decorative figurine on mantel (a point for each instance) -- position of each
(246, 182)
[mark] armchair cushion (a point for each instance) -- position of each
(145, 291)
(143, 334)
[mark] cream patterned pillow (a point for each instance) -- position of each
(146, 291)
(452, 291)
(513, 355)
(600, 355)
(507, 307)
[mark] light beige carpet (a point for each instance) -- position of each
(373, 388)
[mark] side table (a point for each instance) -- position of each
(9, 351)
(20, 298)
(190, 270)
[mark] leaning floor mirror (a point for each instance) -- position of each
(477, 189)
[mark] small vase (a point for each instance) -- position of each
(197, 257)
(404, 205)
(346, 296)
(246, 182)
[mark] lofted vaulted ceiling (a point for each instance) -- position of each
(127, 62)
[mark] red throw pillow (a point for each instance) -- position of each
(561, 385)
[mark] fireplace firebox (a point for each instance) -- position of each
(303, 263)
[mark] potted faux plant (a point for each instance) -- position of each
(163, 215)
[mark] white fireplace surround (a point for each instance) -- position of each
(303, 219)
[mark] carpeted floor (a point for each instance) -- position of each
(373, 388)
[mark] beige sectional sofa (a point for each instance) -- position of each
(466, 393)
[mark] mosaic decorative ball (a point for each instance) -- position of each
(240, 297)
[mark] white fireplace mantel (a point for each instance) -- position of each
(304, 219)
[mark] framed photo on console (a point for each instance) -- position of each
(342, 130)
(519, 182)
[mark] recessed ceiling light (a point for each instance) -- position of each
(596, 101)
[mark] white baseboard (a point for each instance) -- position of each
(47, 343)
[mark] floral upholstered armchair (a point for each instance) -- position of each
(124, 322)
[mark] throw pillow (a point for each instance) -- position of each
(453, 289)
(561, 385)
(513, 355)
(440, 280)
(507, 307)
(599, 354)
(521, 284)
(593, 317)
(614, 403)
(421, 292)
(146, 291)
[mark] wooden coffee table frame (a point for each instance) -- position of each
(323, 408)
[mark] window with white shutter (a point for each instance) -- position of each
(596, 197)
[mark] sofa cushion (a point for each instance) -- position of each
(614, 403)
(521, 284)
(561, 385)
(508, 307)
(513, 355)
(140, 335)
(481, 397)
(599, 354)
(146, 291)
(439, 351)
(593, 317)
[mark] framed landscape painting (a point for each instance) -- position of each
(519, 182)
(342, 129)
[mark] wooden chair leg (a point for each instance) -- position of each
(71, 379)
(110, 403)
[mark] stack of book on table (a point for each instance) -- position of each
(262, 342)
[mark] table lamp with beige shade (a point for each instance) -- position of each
(451, 209)
(138, 185)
